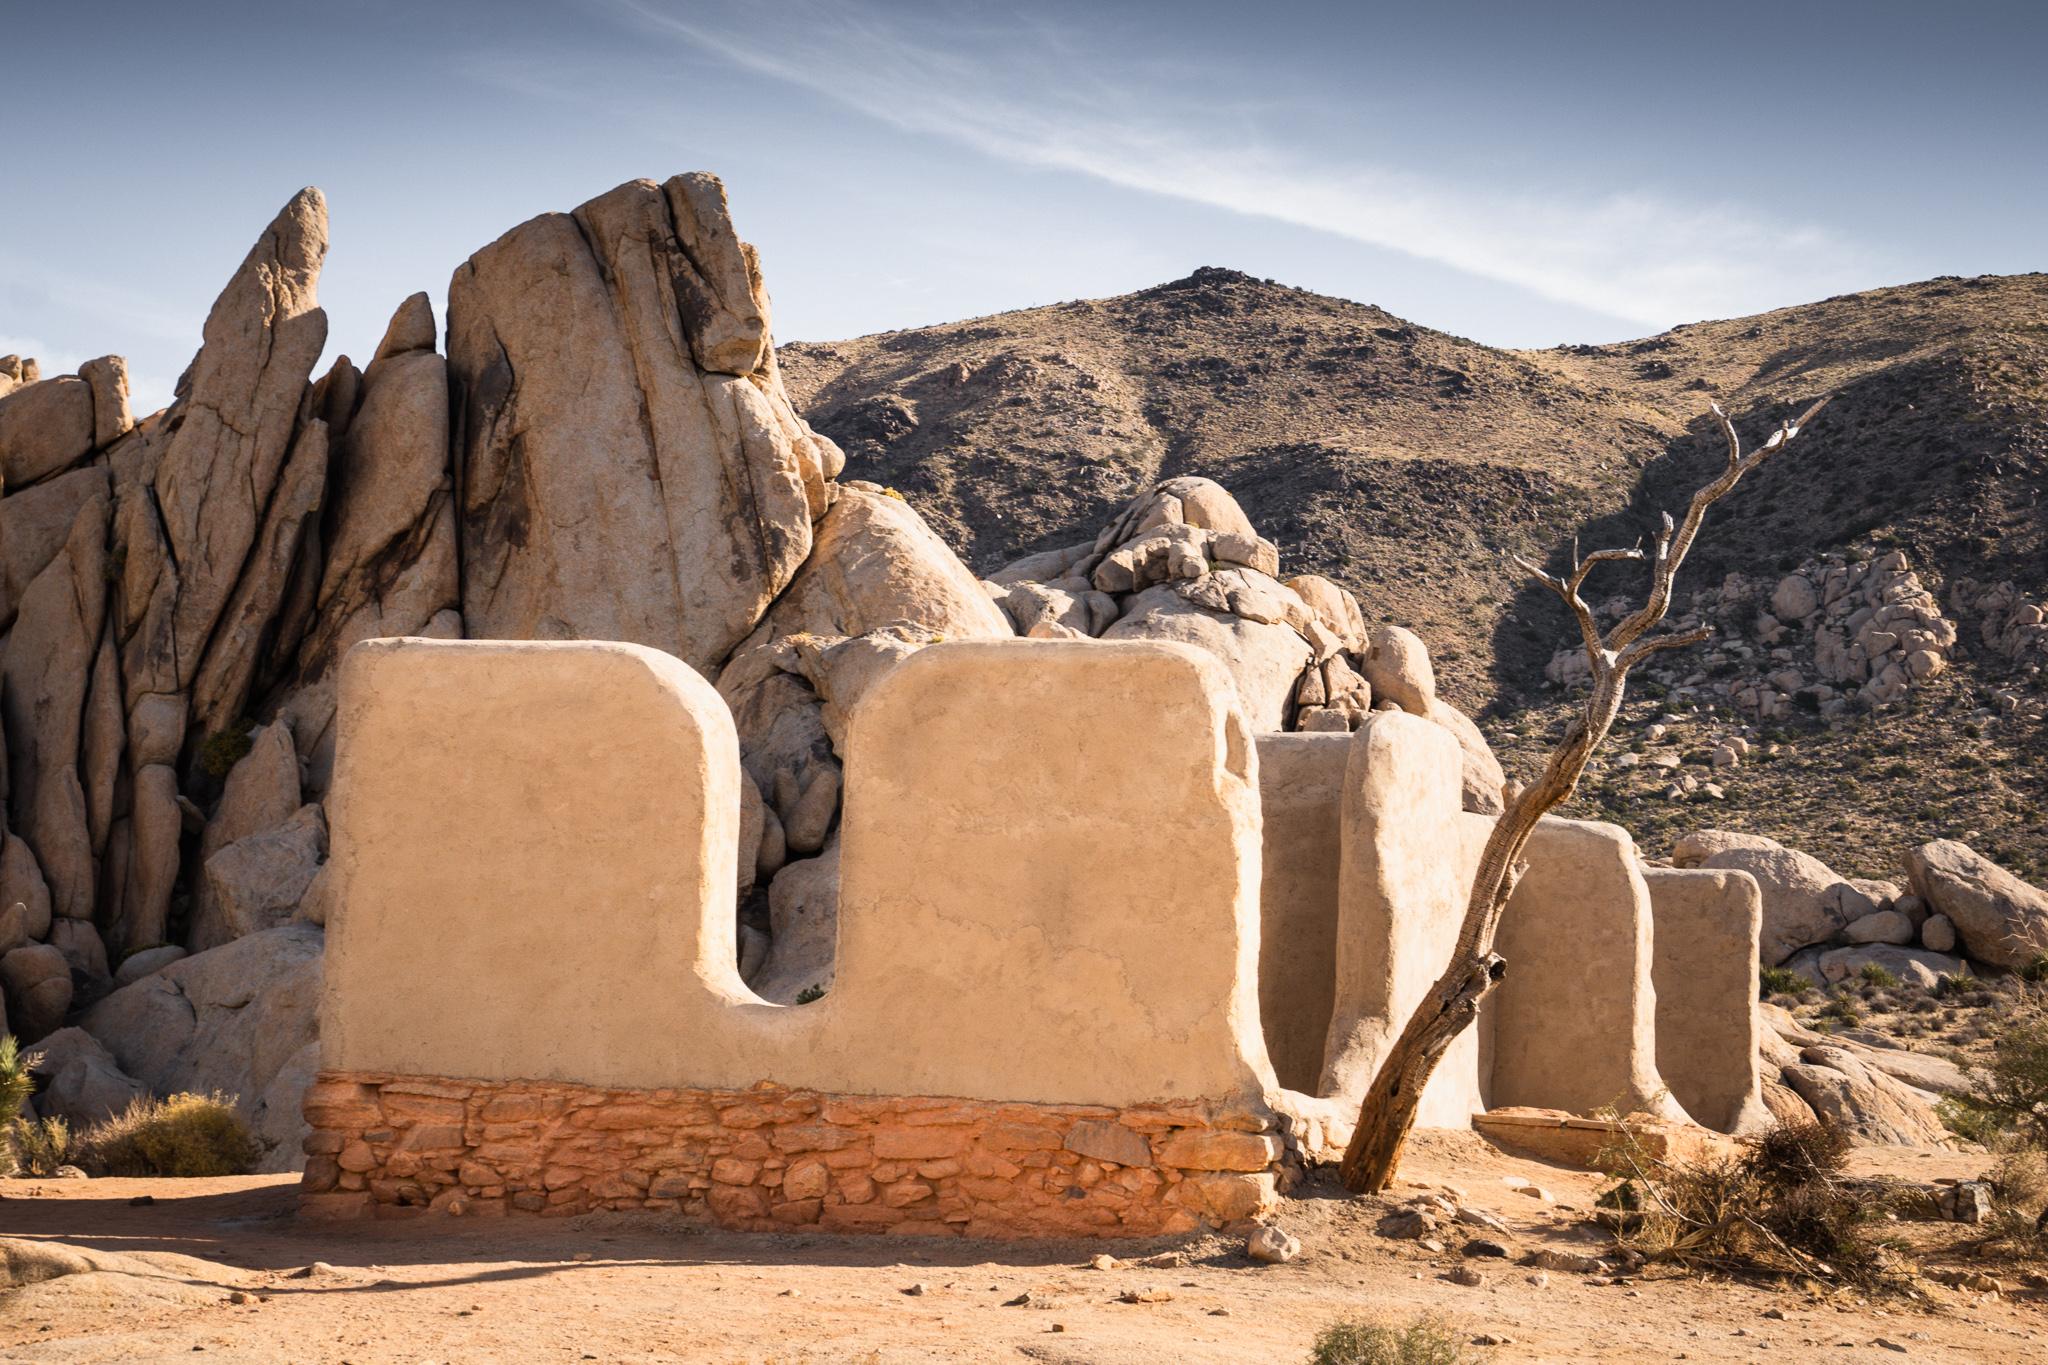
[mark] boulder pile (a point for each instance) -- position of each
(2010, 626)
(1956, 907)
(1183, 562)
(1839, 631)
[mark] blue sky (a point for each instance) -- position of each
(1521, 173)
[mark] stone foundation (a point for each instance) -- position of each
(770, 1158)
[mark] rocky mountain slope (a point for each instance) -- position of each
(1403, 463)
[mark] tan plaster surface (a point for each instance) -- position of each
(1050, 877)
(1301, 797)
(1575, 1018)
(1705, 969)
(1408, 855)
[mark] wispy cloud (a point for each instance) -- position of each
(1032, 96)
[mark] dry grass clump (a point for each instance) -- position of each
(37, 1147)
(16, 1085)
(1780, 1208)
(185, 1135)
(1426, 1340)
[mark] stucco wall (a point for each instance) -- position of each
(1705, 970)
(1409, 851)
(1049, 890)
(1575, 1018)
(1050, 874)
(1301, 798)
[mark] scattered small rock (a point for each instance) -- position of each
(1481, 1218)
(238, 1297)
(916, 1291)
(1145, 1295)
(1482, 1246)
(1271, 1246)
(142, 1200)
(1102, 1261)
(1408, 1224)
(1569, 1261)
(1467, 1276)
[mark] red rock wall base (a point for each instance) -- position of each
(769, 1158)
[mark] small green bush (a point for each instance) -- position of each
(185, 1135)
(1426, 1340)
(39, 1146)
(1952, 984)
(810, 995)
(1875, 974)
(1779, 981)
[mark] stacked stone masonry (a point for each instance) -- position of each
(770, 1158)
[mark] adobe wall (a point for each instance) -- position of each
(1574, 1021)
(1301, 799)
(1409, 851)
(534, 851)
(1705, 970)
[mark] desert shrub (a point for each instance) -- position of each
(15, 1083)
(1968, 1122)
(2009, 1097)
(1843, 1009)
(2036, 970)
(1426, 1340)
(1778, 981)
(223, 749)
(185, 1135)
(1789, 1154)
(1949, 985)
(1875, 974)
(39, 1146)
(1779, 1208)
(810, 995)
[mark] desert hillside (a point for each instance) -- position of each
(1404, 463)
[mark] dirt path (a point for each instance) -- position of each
(644, 1289)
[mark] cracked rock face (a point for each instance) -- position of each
(630, 468)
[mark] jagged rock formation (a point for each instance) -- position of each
(630, 467)
(176, 595)
(605, 451)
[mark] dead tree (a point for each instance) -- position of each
(1388, 1112)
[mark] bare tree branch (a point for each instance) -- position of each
(1388, 1111)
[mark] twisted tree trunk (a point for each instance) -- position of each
(1388, 1111)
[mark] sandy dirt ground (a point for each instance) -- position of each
(225, 1270)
